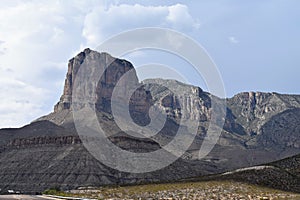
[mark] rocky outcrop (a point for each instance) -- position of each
(111, 68)
(253, 109)
(40, 141)
(259, 128)
(196, 102)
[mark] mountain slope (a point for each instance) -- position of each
(283, 174)
(56, 158)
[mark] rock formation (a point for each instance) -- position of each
(259, 128)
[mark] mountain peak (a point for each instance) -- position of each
(113, 69)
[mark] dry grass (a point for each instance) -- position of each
(189, 190)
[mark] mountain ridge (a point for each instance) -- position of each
(53, 154)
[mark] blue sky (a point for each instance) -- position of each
(255, 44)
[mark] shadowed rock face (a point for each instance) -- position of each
(259, 128)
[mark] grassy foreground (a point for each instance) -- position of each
(189, 190)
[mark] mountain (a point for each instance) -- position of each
(259, 128)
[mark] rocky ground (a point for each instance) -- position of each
(221, 190)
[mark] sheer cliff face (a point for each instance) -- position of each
(113, 69)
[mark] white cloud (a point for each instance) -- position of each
(37, 38)
(20, 101)
(36, 41)
(2, 48)
(101, 23)
(180, 17)
(233, 40)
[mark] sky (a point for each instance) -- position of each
(255, 44)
